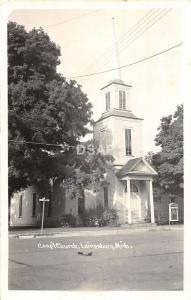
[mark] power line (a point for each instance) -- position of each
(129, 32)
(74, 18)
(146, 17)
(159, 17)
(45, 144)
(141, 31)
(132, 32)
(128, 65)
(64, 147)
(35, 143)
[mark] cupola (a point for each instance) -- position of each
(117, 95)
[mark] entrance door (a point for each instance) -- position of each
(135, 204)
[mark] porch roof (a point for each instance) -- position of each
(130, 168)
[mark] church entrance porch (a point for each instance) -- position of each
(135, 207)
(134, 196)
(134, 202)
(139, 201)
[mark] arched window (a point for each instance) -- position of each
(133, 188)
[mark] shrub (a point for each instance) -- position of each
(69, 220)
(99, 217)
(93, 217)
(110, 217)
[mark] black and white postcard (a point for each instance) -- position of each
(94, 98)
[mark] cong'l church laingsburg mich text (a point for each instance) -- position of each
(127, 188)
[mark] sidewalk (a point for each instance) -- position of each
(88, 231)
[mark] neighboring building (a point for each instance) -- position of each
(26, 209)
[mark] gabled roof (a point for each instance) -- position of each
(118, 113)
(116, 81)
(132, 167)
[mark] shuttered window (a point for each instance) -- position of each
(20, 206)
(128, 142)
(122, 100)
(34, 205)
(107, 95)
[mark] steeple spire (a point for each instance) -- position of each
(116, 92)
(116, 61)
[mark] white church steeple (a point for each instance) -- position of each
(115, 55)
(116, 92)
(117, 95)
(118, 127)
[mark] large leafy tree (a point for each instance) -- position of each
(168, 162)
(47, 114)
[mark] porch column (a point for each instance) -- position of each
(151, 201)
(129, 201)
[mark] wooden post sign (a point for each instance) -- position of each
(173, 212)
(43, 200)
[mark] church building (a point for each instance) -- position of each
(128, 189)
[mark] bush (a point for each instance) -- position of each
(99, 217)
(93, 217)
(69, 220)
(110, 217)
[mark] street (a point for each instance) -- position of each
(151, 260)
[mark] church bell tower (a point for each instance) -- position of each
(118, 130)
(119, 133)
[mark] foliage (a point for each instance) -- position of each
(99, 216)
(69, 220)
(92, 217)
(44, 109)
(87, 169)
(168, 162)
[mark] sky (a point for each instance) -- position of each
(86, 41)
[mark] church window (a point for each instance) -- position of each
(34, 205)
(122, 100)
(128, 142)
(107, 95)
(133, 188)
(20, 206)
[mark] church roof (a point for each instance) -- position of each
(130, 168)
(116, 81)
(118, 113)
